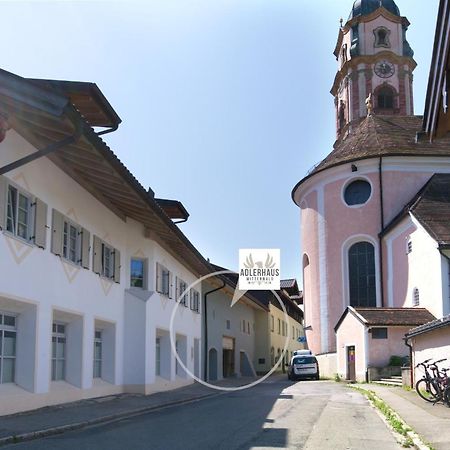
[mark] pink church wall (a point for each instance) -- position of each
(380, 350)
(399, 189)
(311, 278)
(342, 223)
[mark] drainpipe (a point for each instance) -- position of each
(410, 360)
(205, 315)
(109, 130)
(380, 177)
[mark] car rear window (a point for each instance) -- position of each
(304, 360)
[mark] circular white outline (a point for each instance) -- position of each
(199, 380)
(348, 183)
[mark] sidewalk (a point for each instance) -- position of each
(430, 422)
(70, 416)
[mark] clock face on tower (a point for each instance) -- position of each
(384, 69)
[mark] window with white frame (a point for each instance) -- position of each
(8, 337)
(272, 323)
(72, 242)
(158, 357)
(195, 300)
(98, 354)
(137, 273)
(163, 280)
(107, 261)
(182, 295)
(59, 351)
(18, 216)
(279, 326)
(416, 297)
(293, 331)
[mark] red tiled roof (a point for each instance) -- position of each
(395, 316)
(389, 317)
(376, 136)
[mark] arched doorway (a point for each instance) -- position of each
(212, 358)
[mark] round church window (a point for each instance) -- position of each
(357, 192)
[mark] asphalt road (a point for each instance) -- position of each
(277, 414)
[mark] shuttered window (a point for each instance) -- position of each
(21, 214)
(106, 260)
(70, 240)
(164, 281)
(195, 300)
(182, 295)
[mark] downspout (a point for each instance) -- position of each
(109, 130)
(410, 361)
(205, 315)
(380, 177)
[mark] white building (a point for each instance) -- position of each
(91, 262)
(231, 334)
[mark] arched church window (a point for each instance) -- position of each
(385, 98)
(361, 264)
(382, 37)
(341, 115)
(357, 192)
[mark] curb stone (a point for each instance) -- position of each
(415, 438)
(15, 439)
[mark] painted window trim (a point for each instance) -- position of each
(348, 183)
(31, 214)
(345, 268)
(10, 329)
(144, 275)
(79, 237)
(377, 43)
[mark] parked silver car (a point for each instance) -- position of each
(303, 366)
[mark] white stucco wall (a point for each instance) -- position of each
(40, 287)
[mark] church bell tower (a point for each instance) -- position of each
(375, 64)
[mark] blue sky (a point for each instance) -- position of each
(225, 103)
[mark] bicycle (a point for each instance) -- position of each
(434, 383)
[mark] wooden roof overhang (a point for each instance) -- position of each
(436, 119)
(87, 98)
(92, 164)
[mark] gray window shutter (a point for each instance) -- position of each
(116, 265)
(85, 247)
(158, 278)
(40, 223)
(3, 201)
(97, 256)
(170, 284)
(177, 294)
(57, 232)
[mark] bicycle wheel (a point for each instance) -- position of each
(428, 390)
